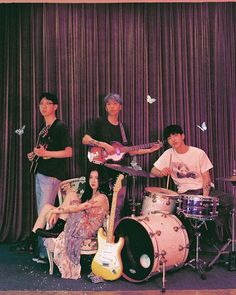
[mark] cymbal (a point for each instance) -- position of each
(129, 170)
(228, 179)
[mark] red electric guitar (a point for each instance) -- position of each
(99, 155)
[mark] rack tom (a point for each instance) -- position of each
(157, 199)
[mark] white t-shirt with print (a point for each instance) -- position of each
(186, 168)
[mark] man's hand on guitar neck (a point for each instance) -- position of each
(156, 147)
(153, 148)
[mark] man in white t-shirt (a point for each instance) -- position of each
(189, 167)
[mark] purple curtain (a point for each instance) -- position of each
(183, 55)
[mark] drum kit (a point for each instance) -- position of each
(156, 241)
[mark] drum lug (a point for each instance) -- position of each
(162, 254)
(168, 202)
(181, 248)
(158, 233)
(175, 228)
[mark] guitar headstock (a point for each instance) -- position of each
(118, 185)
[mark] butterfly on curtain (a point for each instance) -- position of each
(150, 99)
(203, 126)
(20, 131)
(135, 165)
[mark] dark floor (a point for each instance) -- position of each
(19, 272)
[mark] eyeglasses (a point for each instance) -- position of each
(45, 104)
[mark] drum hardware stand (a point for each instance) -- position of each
(232, 254)
(163, 262)
(197, 263)
(134, 204)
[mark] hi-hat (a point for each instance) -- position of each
(228, 179)
(129, 170)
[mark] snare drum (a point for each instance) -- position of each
(148, 240)
(199, 207)
(157, 199)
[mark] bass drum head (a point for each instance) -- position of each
(137, 253)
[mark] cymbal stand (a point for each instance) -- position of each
(232, 254)
(197, 263)
(133, 197)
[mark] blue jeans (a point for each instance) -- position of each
(46, 191)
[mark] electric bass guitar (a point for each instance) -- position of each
(107, 261)
(42, 134)
(99, 155)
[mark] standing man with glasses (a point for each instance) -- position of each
(48, 161)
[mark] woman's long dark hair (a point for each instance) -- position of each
(103, 186)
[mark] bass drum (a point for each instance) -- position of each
(150, 240)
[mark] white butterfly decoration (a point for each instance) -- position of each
(150, 99)
(135, 165)
(20, 131)
(203, 126)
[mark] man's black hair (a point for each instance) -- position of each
(49, 96)
(172, 129)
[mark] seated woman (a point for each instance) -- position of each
(83, 217)
(83, 221)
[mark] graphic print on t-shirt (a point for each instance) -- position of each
(181, 170)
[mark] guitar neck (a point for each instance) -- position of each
(137, 147)
(116, 189)
(110, 230)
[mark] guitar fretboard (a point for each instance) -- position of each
(141, 146)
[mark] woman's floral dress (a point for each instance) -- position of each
(67, 246)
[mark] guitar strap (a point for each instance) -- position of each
(122, 130)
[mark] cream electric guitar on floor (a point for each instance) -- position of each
(99, 155)
(107, 261)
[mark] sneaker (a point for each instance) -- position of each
(41, 260)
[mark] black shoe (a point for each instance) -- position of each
(52, 232)
(46, 233)
(26, 246)
(22, 247)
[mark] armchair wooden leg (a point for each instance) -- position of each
(51, 263)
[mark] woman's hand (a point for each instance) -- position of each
(52, 218)
(86, 205)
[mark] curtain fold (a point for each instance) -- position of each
(181, 54)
